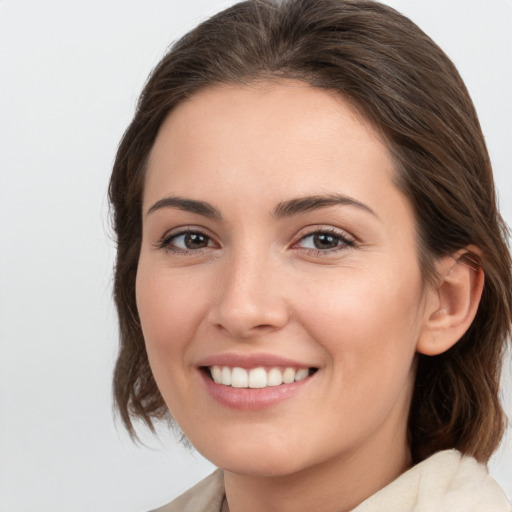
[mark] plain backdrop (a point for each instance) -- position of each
(70, 74)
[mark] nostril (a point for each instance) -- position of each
(262, 327)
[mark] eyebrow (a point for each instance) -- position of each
(189, 205)
(309, 203)
(284, 209)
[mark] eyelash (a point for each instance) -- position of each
(167, 240)
(343, 241)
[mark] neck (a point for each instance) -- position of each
(338, 485)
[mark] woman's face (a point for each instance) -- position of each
(278, 255)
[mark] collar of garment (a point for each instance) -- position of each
(445, 482)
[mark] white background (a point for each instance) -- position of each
(70, 75)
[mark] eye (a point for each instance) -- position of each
(325, 241)
(186, 241)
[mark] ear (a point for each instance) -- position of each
(452, 301)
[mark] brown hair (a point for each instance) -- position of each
(400, 80)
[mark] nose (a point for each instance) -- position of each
(250, 300)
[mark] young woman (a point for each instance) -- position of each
(312, 276)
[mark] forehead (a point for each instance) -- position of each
(270, 132)
(263, 105)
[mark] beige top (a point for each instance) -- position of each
(445, 482)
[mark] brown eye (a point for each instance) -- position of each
(187, 241)
(324, 241)
(195, 240)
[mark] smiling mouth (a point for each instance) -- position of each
(256, 378)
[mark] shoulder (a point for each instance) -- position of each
(206, 496)
(445, 482)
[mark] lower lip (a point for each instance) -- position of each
(249, 399)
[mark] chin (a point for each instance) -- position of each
(267, 467)
(253, 459)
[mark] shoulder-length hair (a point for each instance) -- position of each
(404, 84)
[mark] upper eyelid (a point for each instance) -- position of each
(183, 230)
(301, 234)
(346, 241)
(311, 230)
(173, 233)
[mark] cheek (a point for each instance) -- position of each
(368, 322)
(169, 310)
(368, 330)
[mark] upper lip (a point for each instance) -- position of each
(249, 361)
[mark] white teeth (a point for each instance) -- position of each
(239, 378)
(226, 376)
(289, 375)
(274, 377)
(217, 374)
(301, 374)
(256, 378)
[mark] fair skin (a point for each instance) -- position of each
(237, 270)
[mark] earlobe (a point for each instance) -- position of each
(453, 301)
